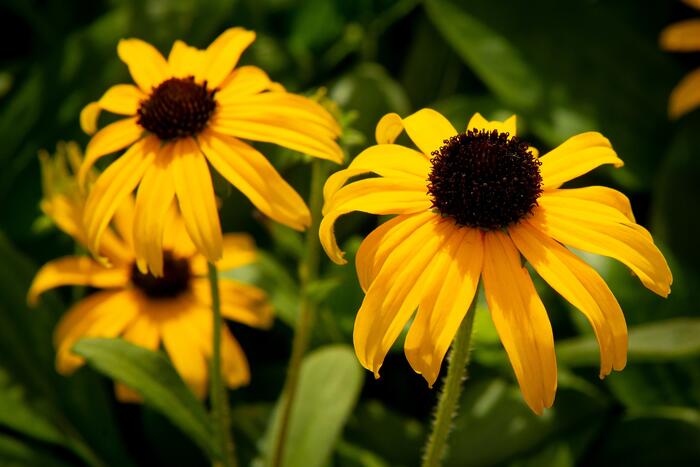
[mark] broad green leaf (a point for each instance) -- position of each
(329, 384)
(152, 375)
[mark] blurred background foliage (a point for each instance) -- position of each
(563, 67)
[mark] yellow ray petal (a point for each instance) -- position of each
(396, 291)
(683, 36)
(154, 199)
(243, 303)
(223, 55)
(388, 128)
(599, 194)
(582, 286)
(185, 61)
(75, 270)
(147, 66)
(374, 196)
(250, 172)
(576, 156)
(626, 242)
(453, 281)
(144, 333)
(428, 129)
(111, 138)
(387, 160)
(195, 196)
(243, 81)
(89, 116)
(122, 99)
(478, 122)
(238, 250)
(521, 321)
(184, 351)
(686, 95)
(114, 186)
(693, 3)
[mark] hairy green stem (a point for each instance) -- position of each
(219, 401)
(308, 272)
(451, 391)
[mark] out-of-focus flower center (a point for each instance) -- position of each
(176, 108)
(485, 179)
(176, 278)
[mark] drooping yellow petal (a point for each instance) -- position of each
(686, 95)
(599, 194)
(453, 282)
(693, 3)
(185, 61)
(377, 246)
(521, 321)
(122, 99)
(195, 196)
(154, 199)
(184, 350)
(238, 250)
(387, 160)
(582, 286)
(478, 122)
(89, 116)
(249, 171)
(108, 140)
(374, 196)
(240, 302)
(147, 66)
(388, 128)
(683, 36)
(114, 186)
(243, 81)
(428, 129)
(223, 55)
(624, 241)
(576, 156)
(396, 292)
(75, 270)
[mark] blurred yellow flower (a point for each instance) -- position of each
(684, 36)
(173, 309)
(195, 107)
(467, 207)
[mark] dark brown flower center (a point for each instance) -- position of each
(485, 179)
(176, 278)
(177, 107)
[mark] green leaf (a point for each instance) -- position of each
(329, 385)
(152, 375)
(22, 453)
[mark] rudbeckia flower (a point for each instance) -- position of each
(684, 36)
(475, 206)
(172, 310)
(186, 113)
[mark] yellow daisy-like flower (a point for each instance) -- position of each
(173, 310)
(470, 206)
(684, 36)
(193, 108)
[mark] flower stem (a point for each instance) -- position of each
(308, 272)
(451, 391)
(219, 402)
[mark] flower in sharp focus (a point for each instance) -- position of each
(193, 108)
(469, 207)
(173, 309)
(684, 36)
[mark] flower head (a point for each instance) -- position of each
(468, 207)
(186, 113)
(684, 36)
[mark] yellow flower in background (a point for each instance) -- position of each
(470, 206)
(684, 36)
(173, 310)
(193, 108)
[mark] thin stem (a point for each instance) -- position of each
(219, 401)
(451, 391)
(308, 272)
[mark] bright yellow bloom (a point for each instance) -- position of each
(684, 36)
(467, 207)
(193, 108)
(173, 310)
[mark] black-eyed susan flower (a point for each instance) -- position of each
(684, 36)
(172, 310)
(469, 207)
(186, 113)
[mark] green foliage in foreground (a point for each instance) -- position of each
(563, 67)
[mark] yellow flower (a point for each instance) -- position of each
(173, 310)
(684, 37)
(193, 108)
(467, 207)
